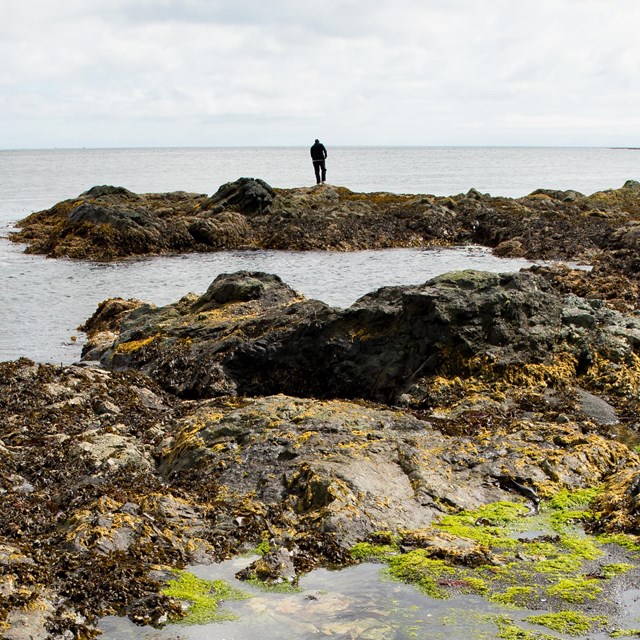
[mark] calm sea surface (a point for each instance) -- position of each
(43, 301)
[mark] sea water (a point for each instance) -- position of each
(43, 301)
(359, 602)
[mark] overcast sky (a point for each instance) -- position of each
(113, 73)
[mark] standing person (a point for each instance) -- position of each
(318, 156)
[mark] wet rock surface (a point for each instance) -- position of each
(195, 482)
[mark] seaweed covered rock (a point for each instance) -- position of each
(618, 506)
(106, 223)
(351, 469)
(105, 477)
(250, 334)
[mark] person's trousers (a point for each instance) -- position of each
(319, 165)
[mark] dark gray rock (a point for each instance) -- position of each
(251, 334)
(248, 195)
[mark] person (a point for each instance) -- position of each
(318, 157)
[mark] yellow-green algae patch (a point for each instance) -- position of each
(372, 552)
(504, 554)
(507, 630)
(203, 597)
(134, 345)
(417, 568)
(577, 590)
(573, 623)
(517, 596)
(629, 542)
(616, 569)
(487, 525)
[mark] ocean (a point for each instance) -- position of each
(42, 301)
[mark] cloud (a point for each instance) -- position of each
(136, 72)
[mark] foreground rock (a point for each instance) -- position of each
(94, 502)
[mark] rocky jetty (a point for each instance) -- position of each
(108, 223)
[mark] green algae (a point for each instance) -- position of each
(631, 543)
(569, 508)
(573, 623)
(417, 568)
(372, 552)
(204, 597)
(507, 630)
(569, 500)
(583, 547)
(480, 552)
(517, 596)
(263, 548)
(625, 633)
(488, 525)
(616, 569)
(576, 590)
(499, 513)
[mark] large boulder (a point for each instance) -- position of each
(250, 334)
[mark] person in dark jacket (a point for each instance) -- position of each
(318, 156)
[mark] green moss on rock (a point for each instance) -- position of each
(203, 597)
(573, 623)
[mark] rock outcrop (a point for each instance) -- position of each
(250, 334)
(110, 222)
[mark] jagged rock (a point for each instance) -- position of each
(247, 195)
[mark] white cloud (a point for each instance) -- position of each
(185, 72)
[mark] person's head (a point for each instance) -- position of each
(317, 141)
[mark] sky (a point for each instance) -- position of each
(163, 73)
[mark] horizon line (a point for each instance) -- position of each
(337, 146)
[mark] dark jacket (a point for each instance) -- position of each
(318, 152)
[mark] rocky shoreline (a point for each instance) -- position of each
(250, 417)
